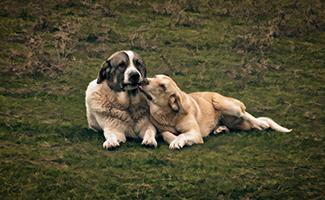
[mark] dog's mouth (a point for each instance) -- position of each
(133, 86)
(130, 86)
(149, 96)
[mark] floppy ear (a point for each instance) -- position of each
(103, 71)
(175, 102)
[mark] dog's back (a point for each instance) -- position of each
(92, 123)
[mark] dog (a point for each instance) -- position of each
(184, 119)
(114, 103)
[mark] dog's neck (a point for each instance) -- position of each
(134, 96)
(123, 99)
(133, 93)
(164, 116)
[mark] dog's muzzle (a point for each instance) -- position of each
(134, 77)
(132, 80)
(149, 97)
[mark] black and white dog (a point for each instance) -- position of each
(114, 103)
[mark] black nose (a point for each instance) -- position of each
(134, 77)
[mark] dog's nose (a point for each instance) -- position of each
(134, 77)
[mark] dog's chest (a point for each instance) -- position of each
(137, 112)
(120, 105)
(128, 116)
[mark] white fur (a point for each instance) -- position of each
(111, 140)
(92, 123)
(221, 129)
(273, 125)
(91, 87)
(187, 138)
(149, 138)
(179, 142)
(131, 68)
(258, 124)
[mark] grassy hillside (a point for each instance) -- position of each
(269, 54)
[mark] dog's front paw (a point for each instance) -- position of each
(149, 140)
(221, 129)
(111, 143)
(178, 143)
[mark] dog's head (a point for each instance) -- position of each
(123, 71)
(163, 92)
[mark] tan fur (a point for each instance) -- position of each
(183, 119)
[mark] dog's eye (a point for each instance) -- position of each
(163, 86)
(121, 65)
(137, 62)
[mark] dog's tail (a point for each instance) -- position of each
(273, 125)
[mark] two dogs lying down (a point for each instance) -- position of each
(123, 102)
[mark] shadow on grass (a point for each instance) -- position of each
(72, 133)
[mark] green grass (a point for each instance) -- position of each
(46, 150)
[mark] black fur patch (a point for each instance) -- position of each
(113, 71)
(133, 92)
(140, 65)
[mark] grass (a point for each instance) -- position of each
(269, 55)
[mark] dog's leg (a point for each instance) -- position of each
(187, 138)
(113, 138)
(113, 134)
(149, 138)
(261, 123)
(148, 134)
(92, 123)
(255, 123)
(228, 106)
(168, 136)
(233, 107)
(275, 126)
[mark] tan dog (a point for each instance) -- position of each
(183, 119)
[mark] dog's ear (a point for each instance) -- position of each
(103, 71)
(175, 102)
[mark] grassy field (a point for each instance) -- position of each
(269, 54)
